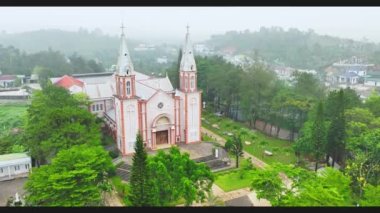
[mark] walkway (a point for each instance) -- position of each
(112, 199)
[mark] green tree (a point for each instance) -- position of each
(328, 188)
(337, 133)
(140, 194)
(318, 136)
(373, 103)
(235, 146)
(175, 176)
(74, 178)
(55, 121)
(43, 75)
(371, 196)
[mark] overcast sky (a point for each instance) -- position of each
(152, 23)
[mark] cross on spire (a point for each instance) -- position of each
(122, 28)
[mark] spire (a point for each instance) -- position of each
(124, 62)
(187, 61)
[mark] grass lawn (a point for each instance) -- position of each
(281, 149)
(231, 179)
(11, 116)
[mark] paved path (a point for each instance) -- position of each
(9, 188)
(112, 199)
(255, 161)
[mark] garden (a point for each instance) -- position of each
(254, 142)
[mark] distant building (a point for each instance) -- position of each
(372, 79)
(7, 81)
(14, 165)
(348, 78)
(348, 72)
(144, 47)
(162, 60)
(240, 60)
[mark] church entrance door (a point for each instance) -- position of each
(162, 137)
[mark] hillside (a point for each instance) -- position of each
(295, 48)
(92, 46)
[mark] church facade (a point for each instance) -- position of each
(132, 102)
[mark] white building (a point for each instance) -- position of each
(14, 165)
(133, 102)
(162, 60)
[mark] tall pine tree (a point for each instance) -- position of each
(337, 132)
(139, 195)
(318, 135)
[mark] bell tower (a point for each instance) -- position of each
(191, 98)
(188, 68)
(126, 103)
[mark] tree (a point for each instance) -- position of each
(43, 75)
(235, 146)
(174, 176)
(140, 188)
(337, 133)
(371, 196)
(328, 188)
(267, 184)
(318, 136)
(308, 85)
(55, 121)
(373, 103)
(74, 178)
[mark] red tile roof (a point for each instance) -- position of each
(7, 77)
(68, 81)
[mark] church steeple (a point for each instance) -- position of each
(125, 77)
(124, 62)
(188, 61)
(188, 68)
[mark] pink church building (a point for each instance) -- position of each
(132, 102)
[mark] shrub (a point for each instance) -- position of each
(113, 154)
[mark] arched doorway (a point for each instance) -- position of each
(162, 131)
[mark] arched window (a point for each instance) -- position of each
(192, 82)
(128, 87)
(185, 83)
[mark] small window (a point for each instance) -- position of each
(1, 170)
(17, 168)
(128, 87)
(101, 107)
(26, 166)
(93, 107)
(192, 82)
(97, 107)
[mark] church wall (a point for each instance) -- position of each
(131, 124)
(153, 111)
(118, 124)
(182, 115)
(193, 117)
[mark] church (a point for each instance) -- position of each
(132, 102)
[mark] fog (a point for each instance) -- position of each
(169, 23)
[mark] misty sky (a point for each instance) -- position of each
(169, 23)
